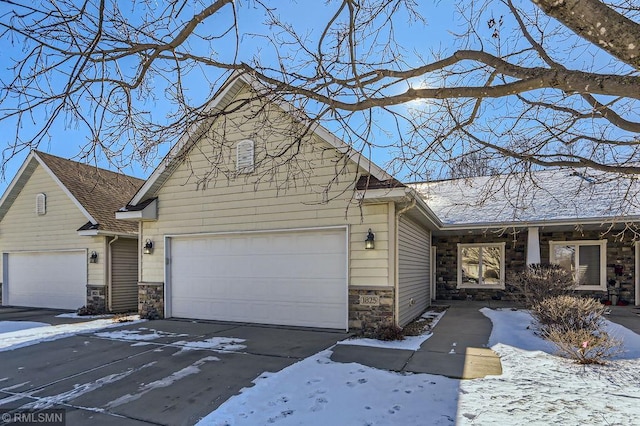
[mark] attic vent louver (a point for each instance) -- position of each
(244, 156)
(41, 204)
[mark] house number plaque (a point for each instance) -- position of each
(369, 300)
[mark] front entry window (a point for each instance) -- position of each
(586, 260)
(481, 265)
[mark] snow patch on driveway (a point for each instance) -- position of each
(317, 391)
(76, 316)
(44, 402)
(18, 339)
(10, 326)
(141, 334)
(218, 344)
(162, 383)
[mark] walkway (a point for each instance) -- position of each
(457, 349)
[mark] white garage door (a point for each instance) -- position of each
(46, 279)
(288, 278)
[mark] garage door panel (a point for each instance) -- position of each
(292, 278)
(47, 279)
(262, 312)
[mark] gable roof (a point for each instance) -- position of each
(558, 196)
(234, 84)
(97, 192)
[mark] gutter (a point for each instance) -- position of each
(409, 194)
(400, 195)
(539, 223)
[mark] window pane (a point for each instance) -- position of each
(470, 264)
(491, 265)
(565, 256)
(589, 268)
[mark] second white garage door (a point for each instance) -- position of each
(50, 279)
(287, 278)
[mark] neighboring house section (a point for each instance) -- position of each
(255, 217)
(493, 227)
(61, 245)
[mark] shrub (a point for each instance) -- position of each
(568, 313)
(542, 281)
(575, 326)
(150, 313)
(584, 346)
(389, 332)
(89, 310)
(382, 332)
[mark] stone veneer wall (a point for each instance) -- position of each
(447, 264)
(97, 298)
(371, 315)
(151, 300)
(618, 252)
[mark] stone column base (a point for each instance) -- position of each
(97, 297)
(371, 307)
(151, 300)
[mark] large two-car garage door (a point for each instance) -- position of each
(50, 279)
(288, 278)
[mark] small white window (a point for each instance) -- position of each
(481, 265)
(587, 261)
(41, 204)
(244, 156)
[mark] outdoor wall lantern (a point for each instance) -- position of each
(369, 243)
(93, 257)
(148, 246)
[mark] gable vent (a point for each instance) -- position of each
(41, 204)
(244, 156)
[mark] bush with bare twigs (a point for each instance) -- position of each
(576, 327)
(542, 281)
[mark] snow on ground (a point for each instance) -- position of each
(536, 388)
(218, 344)
(411, 343)
(317, 391)
(75, 315)
(9, 326)
(142, 334)
(18, 339)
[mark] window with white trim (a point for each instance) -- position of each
(586, 260)
(244, 156)
(481, 265)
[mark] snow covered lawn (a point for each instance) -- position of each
(536, 388)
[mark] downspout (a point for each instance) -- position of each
(396, 227)
(110, 268)
(393, 257)
(637, 270)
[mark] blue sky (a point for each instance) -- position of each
(66, 139)
(437, 35)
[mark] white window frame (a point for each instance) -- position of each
(578, 243)
(500, 285)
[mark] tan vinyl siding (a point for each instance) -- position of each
(414, 244)
(22, 230)
(124, 275)
(289, 197)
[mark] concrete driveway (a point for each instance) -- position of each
(166, 372)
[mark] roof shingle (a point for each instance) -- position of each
(101, 192)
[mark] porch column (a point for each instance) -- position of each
(533, 245)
